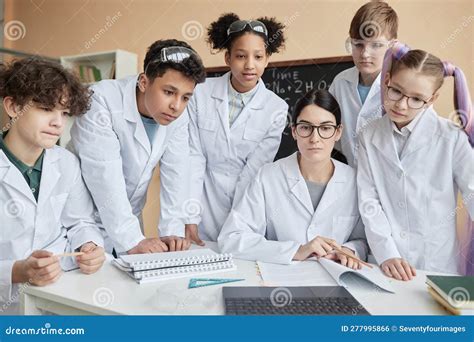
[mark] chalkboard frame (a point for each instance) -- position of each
(292, 63)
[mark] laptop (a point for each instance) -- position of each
(304, 300)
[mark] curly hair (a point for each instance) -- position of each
(191, 67)
(44, 83)
(219, 40)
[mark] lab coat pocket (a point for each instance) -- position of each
(208, 135)
(57, 203)
(251, 139)
(343, 226)
(12, 228)
(253, 134)
(208, 125)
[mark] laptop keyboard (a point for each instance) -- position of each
(303, 306)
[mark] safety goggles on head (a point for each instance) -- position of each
(370, 46)
(175, 54)
(240, 25)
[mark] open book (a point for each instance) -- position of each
(164, 266)
(322, 272)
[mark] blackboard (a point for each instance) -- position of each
(292, 79)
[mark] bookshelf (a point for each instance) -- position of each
(113, 64)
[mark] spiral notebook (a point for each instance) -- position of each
(164, 266)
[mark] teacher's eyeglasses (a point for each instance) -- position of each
(305, 129)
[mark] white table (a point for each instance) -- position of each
(111, 292)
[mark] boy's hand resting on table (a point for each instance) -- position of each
(92, 259)
(176, 243)
(149, 245)
(40, 268)
(398, 268)
(192, 234)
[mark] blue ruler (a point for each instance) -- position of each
(200, 282)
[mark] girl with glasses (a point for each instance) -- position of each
(412, 164)
(302, 205)
(236, 122)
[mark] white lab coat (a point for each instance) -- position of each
(61, 221)
(117, 163)
(276, 215)
(409, 206)
(354, 115)
(223, 160)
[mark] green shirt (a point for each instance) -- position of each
(32, 174)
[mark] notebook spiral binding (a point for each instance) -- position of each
(215, 266)
(178, 262)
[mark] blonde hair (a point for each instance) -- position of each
(373, 20)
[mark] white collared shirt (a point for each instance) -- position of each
(401, 136)
(238, 101)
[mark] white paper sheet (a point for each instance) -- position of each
(307, 273)
(345, 276)
(321, 273)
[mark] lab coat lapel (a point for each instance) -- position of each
(158, 141)
(353, 79)
(13, 178)
(49, 175)
(421, 135)
(383, 140)
(220, 95)
(131, 114)
(374, 91)
(296, 183)
(256, 104)
(334, 190)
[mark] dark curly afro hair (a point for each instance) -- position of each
(219, 40)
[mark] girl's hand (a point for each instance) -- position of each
(399, 269)
(345, 260)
